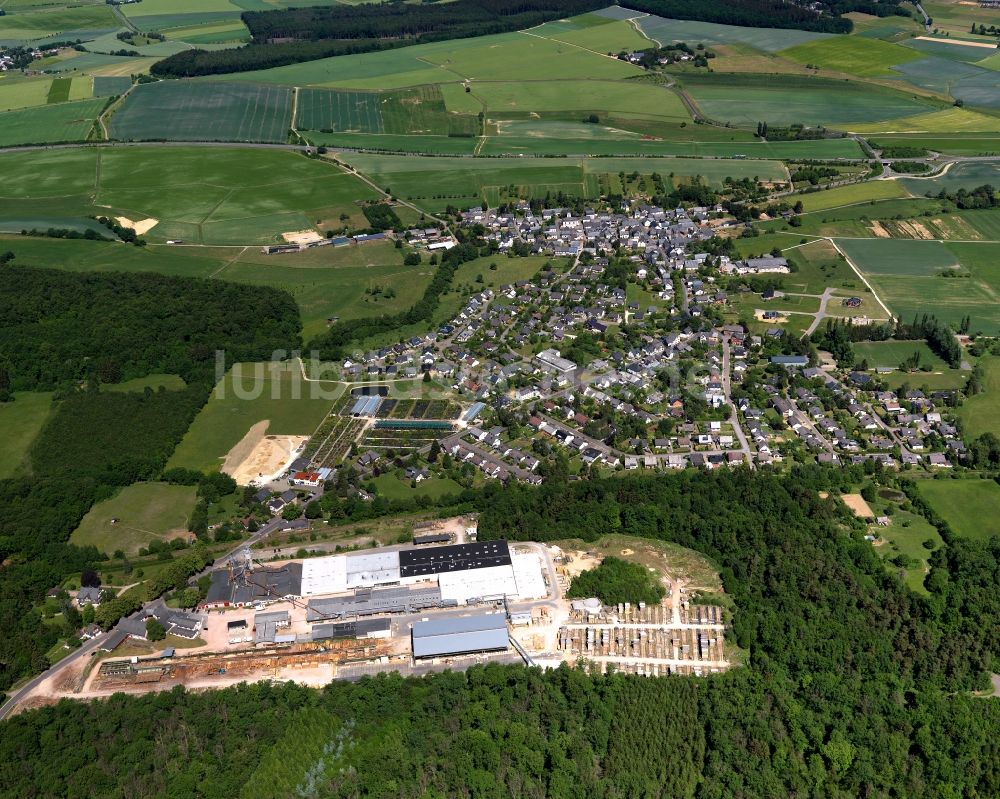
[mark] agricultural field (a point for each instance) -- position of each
(438, 182)
(967, 176)
(504, 57)
(969, 506)
(594, 32)
(20, 421)
(827, 199)
(190, 111)
(978, 144)
(665, 31)
(785, 100)
(910, 276)
(49, 124)
(70, 22)
(851, 54)
(248, 394)
(981, 413)
(237, 197)
(967, 82)
(137, 516)
(339, 110)
(950, 120)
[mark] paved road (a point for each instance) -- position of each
(824, 298)
(727, 390)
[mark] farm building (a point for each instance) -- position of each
(462, 635)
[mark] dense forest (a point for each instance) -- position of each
(70, 333)
(853, 685)
(58, 327)
(293, 35)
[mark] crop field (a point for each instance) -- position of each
(432, 145)
(849, 195)
(950, 120)
(149, 8)
(909, 276)
(606, 98)
(978, 144)
(266, 391)
(590, 31)
(971, 507)
(37, 24)
(851, 54)
(16, 94)
(20, 421)
(49, 124)
(339, 111)
(967, 82)
(954, 49)
(785, 100)
(192, 111)
(235, 197)
(108, 87)
(899, 256)
(508, 56)
(438, 182)
(665, 31)
(961, 176)
(137, 516)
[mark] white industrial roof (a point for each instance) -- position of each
(528, 575)
(488, 583)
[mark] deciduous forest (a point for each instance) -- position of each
(853, 686)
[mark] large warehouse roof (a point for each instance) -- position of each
(460, 635)
(438, 560)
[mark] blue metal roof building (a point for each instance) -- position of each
(460, 635)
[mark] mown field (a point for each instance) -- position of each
(137, 516)
(192, 111)
(21, 419)
(971, 507)
(269, 392)
(234, 196)
(849, 195)
(893, 353)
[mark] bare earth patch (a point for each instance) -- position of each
(141, 228)
(879, 231)
(857, 504)
(258, 456)
(301, 236)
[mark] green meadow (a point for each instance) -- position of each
(21, 419)
(971, 507)
(137, 516)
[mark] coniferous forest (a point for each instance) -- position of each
(853, 685)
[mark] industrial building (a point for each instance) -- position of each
(460, 635)
(421, 577)
(364, 628)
